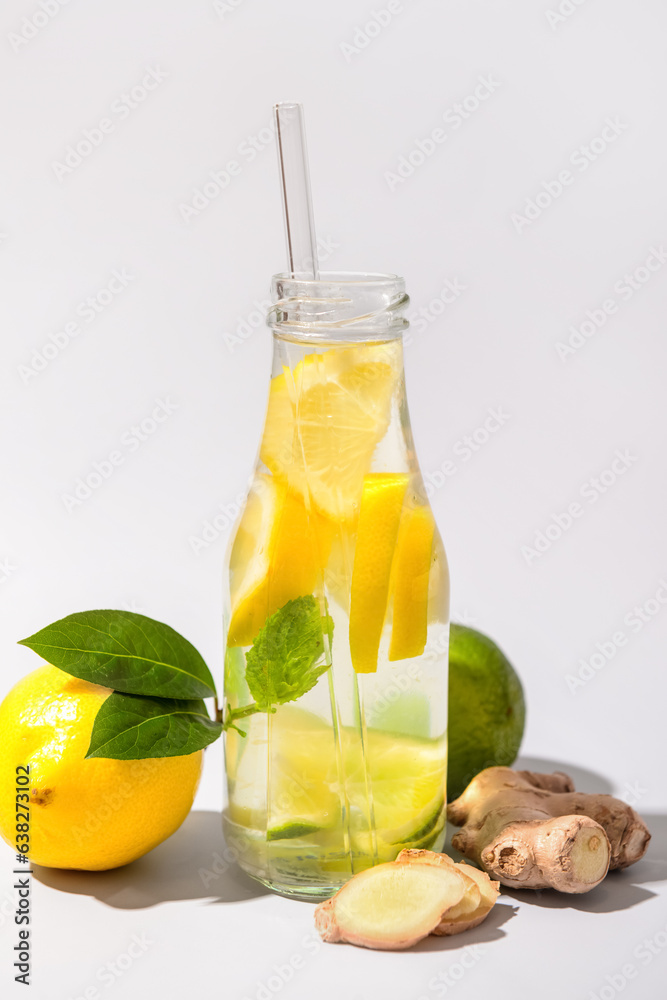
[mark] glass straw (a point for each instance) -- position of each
(295, 183)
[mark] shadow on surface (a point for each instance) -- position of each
(617, 892)
(189, 865)
(490, 930)
(584, 780)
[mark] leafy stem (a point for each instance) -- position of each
(232, 714)
(158, 679)
(285, 659)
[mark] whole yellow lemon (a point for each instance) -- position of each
(91, 814)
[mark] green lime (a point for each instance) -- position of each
(288, 831)
(486, 708)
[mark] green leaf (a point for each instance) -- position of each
(282, 664)
(125, 651)
(131, 727)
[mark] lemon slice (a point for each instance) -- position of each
(379, 518)
(324, 420)
(278, 554)
(410, 574)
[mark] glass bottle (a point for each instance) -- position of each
(335, 568)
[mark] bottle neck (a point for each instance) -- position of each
(338, 308)
(368, 350)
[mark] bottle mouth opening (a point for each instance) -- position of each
(357, 279)
(338, 305)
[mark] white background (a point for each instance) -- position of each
(176, 333)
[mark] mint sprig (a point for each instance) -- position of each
(159, 678)
(282, 664)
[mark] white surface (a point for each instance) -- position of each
(129, 544)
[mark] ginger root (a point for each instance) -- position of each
(480, 895)
(390, 906)
(533, 831)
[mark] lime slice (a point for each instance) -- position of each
(286, 783)
(432, 821)
(288, 831)
(405, 780)
(407, 784)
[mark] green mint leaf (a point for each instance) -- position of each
(125, 651)
(282, 664)
(131, 727)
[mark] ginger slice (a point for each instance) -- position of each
(472, 896)
(488, 890)
(533, 831)
(478, 899)
(391, 906)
